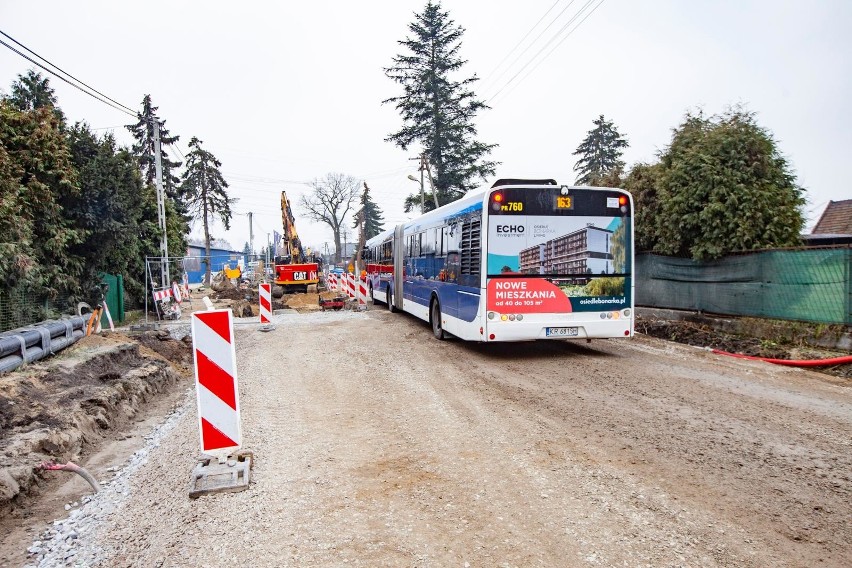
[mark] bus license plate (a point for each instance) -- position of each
(562, 331)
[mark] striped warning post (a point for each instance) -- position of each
(265, 295)
(362, 293)
(332, 281)
(216, 381)
(350, 284)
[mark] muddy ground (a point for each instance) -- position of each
(635, 452)
(776, 340)
(103, 391)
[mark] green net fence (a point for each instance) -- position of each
(813, 285)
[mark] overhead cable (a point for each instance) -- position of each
(105, 99)
(549, 42)
(553, 21)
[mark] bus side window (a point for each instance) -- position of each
(429, 238)
(453, 237)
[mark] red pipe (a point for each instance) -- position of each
(792, 363)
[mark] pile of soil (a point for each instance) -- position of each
(303, 302)
(705, 335)
(60, 408)
(231, 293)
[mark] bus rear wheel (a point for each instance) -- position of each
(437, 328)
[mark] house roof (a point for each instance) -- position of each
(836, 219)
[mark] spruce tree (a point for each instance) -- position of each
(143, 149)
(373, 218)
(600, 155)
(203, 190)
(437, 110)
(177, 216)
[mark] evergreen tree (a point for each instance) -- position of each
(642, 183)
(177, 215)
(438, 111)
(600, 154)
(115, 210)
(373, 217)
(143, 149)
(33, 91)
(37, 174)
(725, 187)
(203, 189)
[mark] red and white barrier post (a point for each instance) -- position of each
(350, 284)
(362, 293)
(216, 382)
(265, 295)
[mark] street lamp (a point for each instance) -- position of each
(422, 197)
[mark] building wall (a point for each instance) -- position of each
(195, 265)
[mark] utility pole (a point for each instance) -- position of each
(424, 166)
(161, 208)
(362, 231)
(422, 193)
(251, 235)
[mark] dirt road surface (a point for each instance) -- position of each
(376, 445)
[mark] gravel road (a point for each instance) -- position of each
(376, 445)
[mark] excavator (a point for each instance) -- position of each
(294, 270)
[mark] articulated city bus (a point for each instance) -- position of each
(524, 260)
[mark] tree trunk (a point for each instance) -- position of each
(337, 252)
(206, 236)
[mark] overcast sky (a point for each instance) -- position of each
(285, 92)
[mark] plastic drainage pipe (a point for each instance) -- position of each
(33, 343)
(846, 360)
(11, 344)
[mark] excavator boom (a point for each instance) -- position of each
(293, 271)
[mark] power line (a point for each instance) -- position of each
(555, 47)
(120, 107)
(559, 33)
(485, 81)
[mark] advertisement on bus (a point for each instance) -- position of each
(558, 262)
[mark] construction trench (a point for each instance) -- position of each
(57, 409)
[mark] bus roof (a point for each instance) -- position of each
(511, 181)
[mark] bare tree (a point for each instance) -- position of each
(331, 200)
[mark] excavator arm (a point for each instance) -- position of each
(294, 245)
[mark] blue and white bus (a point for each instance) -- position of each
(523, 260)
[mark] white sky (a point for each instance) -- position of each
(285, 92)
